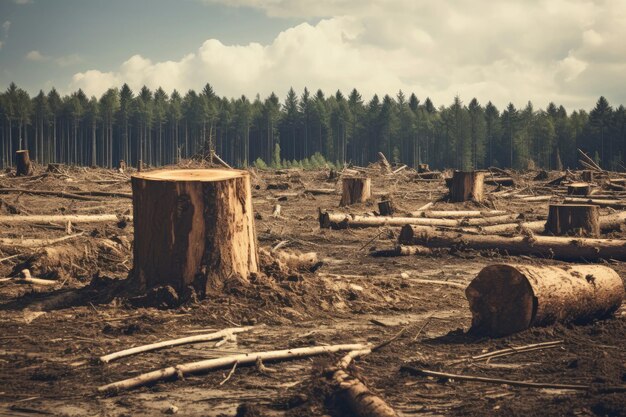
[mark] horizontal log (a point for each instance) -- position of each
(401, 251)
(343, 221)
(74, 218)
(618, 204)
(564, 248)
(453, 214)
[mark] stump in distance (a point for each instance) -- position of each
(355, 190)
(193, 227)
(23, 166)
(570, 219)
(466, 186)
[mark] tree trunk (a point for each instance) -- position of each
(193, 228)
(564, 219)
(545, 246)
(505, 299)
(579, 188)
(467, 186)
(22, 164)
(355, 190)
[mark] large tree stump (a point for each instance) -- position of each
(505, 299)
(193, 228)
(23, 166)
(355, 190)
(587, 176)
(579, 188)
(466, 186)
(582, 219)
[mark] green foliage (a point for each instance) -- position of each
(260, 163)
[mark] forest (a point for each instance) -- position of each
(304, 130)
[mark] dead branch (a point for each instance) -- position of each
(224, 362)
(174, 342)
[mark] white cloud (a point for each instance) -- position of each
(6, 25)
(36, 56)
(542, 50)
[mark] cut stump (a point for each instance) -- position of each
(505, 299)
(386, 208)
(193, 228)
(565, 219)
(579, 188)
(466, 186)
(23, 166)
(355, 190)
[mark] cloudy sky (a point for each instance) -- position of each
(566, 51)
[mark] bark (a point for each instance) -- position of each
(505, 299)
(564, 219)
(465, 186)
(193, 228)
(355, 190)
(23, 166)
(544, 246)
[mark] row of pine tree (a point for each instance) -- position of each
(161, 129)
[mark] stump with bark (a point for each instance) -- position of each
(505, 299)
(23, 166)
(355, 190)
(587, 176)
(569, 219)
(386, 208)
(466, 186)
(422, 168)
(579, 188)
(193, 228)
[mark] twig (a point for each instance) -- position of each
(529, 384)
(232, 371)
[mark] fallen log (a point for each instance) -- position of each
(343, 221)
(505, 181)
(618, 204)
(505, 299)
(400, 250)
(359, 399)
(608, 223)
(61, 194)
(222, 334)
(224, 362)
(74, 218)
(448, 214)
(564, 248)
(34, 243)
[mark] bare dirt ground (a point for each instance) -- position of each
(49, 350)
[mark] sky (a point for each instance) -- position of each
(565, 51)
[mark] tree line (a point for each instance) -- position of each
(160, 129)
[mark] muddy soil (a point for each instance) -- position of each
(49, 350)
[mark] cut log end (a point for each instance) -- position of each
(501, 301)
(505, 299)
